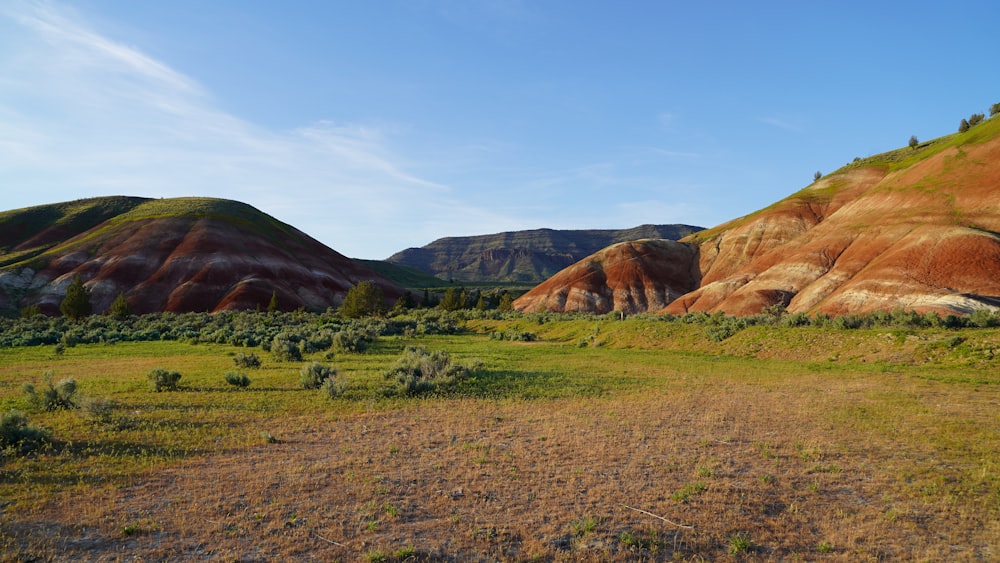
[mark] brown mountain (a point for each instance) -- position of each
(916, 228)
(521, 256)
(183, 254)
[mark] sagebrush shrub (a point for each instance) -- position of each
(237, 379)
(418, 371)
(284, 349)
(60, 395)
(16, 433)
(246, 361)
(314, 374)
(164, 380)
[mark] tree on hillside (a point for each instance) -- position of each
(817, 176)
(363, 299)
(272, 305)
(913, 141)
(994, 109)
(76, 304)
(119, 307)
(976, 118)
(506, 303)
(963, 126)
(453, 299)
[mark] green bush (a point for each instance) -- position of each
(237, 379)
(418, 371)
(164, 380)
(246, 361)
(17, 434)
(284, 349)
(61, 395)
(332, 388)
(351, 340)
(314, 374)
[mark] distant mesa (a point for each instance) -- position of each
(176, 255)
(917, 228)
(523, 257)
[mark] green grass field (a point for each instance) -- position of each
(601, 440)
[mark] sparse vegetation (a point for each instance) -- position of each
(761, 443)
(54, 396)
(164, 379)
(237, 379)
(314, 374)
(16, 435)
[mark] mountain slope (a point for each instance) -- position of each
(183, 254)
(632, 277)
(521, 256)
(913, 228)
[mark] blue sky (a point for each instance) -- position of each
(380, 125)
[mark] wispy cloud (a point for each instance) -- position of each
(83, 115)
(780, 123)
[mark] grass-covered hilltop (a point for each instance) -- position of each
(427, 435)
(177, 255)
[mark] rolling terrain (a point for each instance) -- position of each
(175, 255)
(916, 228)
(521, 256)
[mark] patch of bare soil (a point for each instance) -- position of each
(766, 473)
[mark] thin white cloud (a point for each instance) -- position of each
(84, 115)
(780, 123)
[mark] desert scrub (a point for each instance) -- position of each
(314, 374)
(246, 361)
(17, 435)
(237, 379)
(285, 349)
(418, 371)
(60, 395)
(163, 379)
(351, 340)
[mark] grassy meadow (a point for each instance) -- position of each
(598, 440)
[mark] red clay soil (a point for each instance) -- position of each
(180, 264)
(925, 238)
(631, 277)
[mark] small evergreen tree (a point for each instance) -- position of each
(76, 304)
(914, 142)
(963, 126)
(119, 307)
(506, 303)
(976, 119)
(994, 109)
(272, 305)
(817, 176)
(450, 300)
(363, 299)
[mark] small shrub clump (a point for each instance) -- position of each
(418, 371)
(247, 361)
(314, 374)
(237, 379)
(164, 380)
(18, 435)
(351, 340)
(60, 395)
(284, 349)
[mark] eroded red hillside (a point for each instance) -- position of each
(630, 276)
(878, 235)
(228, 257)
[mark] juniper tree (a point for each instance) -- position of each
(76, 304)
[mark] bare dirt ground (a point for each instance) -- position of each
(784, 471)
